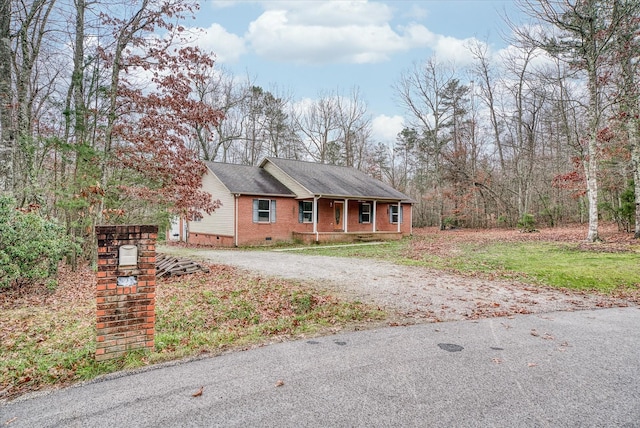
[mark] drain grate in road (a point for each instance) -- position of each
(450, 347)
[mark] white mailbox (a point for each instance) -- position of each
(128, 255)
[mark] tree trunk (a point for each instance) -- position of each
(7, 143)
(591, 167)
(635, 162)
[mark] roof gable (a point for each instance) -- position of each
(337, 181)
(248, 180)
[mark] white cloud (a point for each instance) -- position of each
(385, 128)
(454, 50)
(357, 32)
(302, 106)
(332, 13)
(416, 12)
(320, 32)
(275, 35)
(227, 47)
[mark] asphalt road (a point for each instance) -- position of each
(549, 370)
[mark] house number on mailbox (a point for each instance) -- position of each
(128, 255)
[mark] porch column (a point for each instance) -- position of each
(345, 220)
(399, 217)
(375, 207)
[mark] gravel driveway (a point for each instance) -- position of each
(413, 293)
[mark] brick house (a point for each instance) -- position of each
(290, 200)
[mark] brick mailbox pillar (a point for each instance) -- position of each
(125, 290)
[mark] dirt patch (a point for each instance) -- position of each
(415, 294)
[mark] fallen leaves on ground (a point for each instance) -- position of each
(47, 337)
(444, 243)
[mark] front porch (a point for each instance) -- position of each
(324, 237)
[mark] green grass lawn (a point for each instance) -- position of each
(553, 264)
(558, 265)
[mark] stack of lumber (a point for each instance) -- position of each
(167, 265)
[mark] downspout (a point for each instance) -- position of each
(235, 225)
(375, 210)
(411, 219)
(315, 217)
(185, 230)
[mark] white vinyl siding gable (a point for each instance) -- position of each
(220, 222)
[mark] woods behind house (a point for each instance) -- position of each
(107, 111)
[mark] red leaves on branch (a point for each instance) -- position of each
(158, 119)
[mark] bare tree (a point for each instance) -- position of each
(355, 127)
(420, 91)
(221, 91)
(278, 130)
(7, 136)
(627, 58)
(31, 26)
(491, 92)
(319, 128)
(581, 33)
(528, 99)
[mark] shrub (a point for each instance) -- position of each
(30, 246)
(527, 223)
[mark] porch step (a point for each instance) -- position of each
(365, 238)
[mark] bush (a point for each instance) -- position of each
(527, 223)
(30, 246)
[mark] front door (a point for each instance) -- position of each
(338, 214)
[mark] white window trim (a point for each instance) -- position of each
(309, 212)
(270, 211)
(367, 204)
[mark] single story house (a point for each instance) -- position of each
(291, 200)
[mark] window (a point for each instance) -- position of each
(365, 213)
(394, 216)
(305, 212)
(264, 211)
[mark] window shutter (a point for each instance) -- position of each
(360, 213)
(300, 214)
(273, 211)
(401, 210)
(255, 210)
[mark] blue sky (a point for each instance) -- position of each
(305, 47)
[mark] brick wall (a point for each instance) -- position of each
(125, 313)
(199, 238)
(250, 233)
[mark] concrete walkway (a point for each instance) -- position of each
(549, 370)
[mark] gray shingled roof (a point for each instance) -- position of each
(248, 180)
(337, 181)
